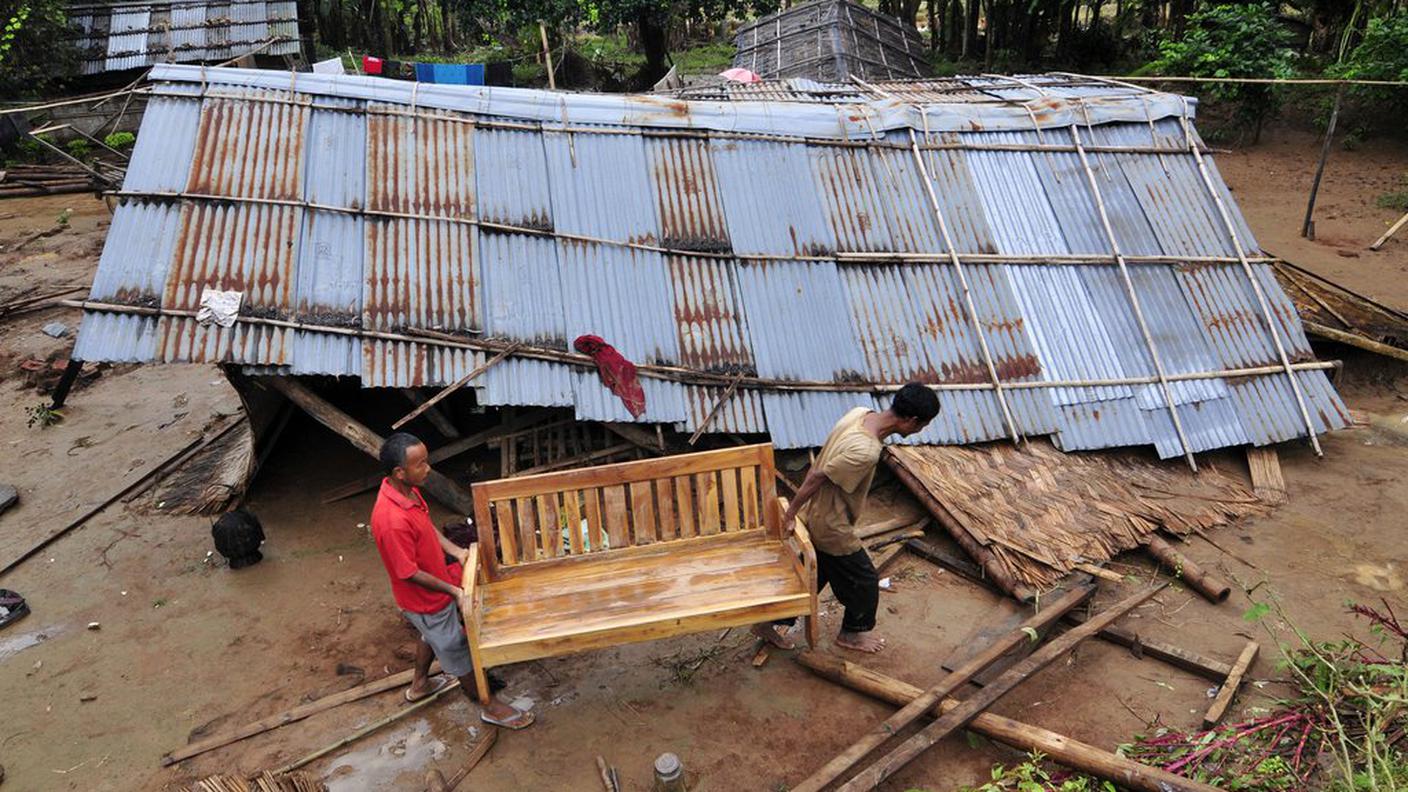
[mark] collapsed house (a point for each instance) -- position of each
(831, 40)
(1055, 256)
(120, 36)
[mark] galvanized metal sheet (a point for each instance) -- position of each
(511, 175)
(956, 191)
(127, 38)
(136, 257)
(116, 338)
(853, 197)
(794, 311)
(803, 419)
(687, 194)
(522, 289)
(601, 187)
(1112, 423)
(708, 314)
(770, 199)
(741, 414)
(399, 152)
(249, 149)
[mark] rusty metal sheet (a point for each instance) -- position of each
(687, 194)
(770, 199)
(511, 176)
(249, 149)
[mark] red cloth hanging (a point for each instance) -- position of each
(617, 373)
(371, 65)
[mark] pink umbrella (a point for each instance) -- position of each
(740, 75)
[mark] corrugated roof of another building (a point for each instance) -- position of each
(404, 233)
(132, 35)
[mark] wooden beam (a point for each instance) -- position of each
(971, 707)
(399, 679)
(1356, 340)
(1024, 737)
(714, 411)
(911, 711)
(1378, 243)
(1229, 687)
(437, 485)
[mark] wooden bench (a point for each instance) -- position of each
(635, 551)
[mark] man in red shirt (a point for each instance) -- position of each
(423, 583)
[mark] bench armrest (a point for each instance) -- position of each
(469, 583)
(800, 542)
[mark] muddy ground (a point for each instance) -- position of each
(187, 647)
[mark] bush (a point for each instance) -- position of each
(79, 149)
(34, 48)
(1233, 41)
(120, 140)
(1382, 55)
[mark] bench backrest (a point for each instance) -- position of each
(612, 507)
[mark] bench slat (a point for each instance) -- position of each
(665, 509)
(572, 514)
(684, 501)
(614, 502)
(729, 484)
(595, 532)
(706, 487)
(527, 531)
(642, 513)
(549, 525)
(748, 483)
(502, 512)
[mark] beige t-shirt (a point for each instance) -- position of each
(848, 461)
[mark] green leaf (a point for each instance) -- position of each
(1032, 634)
(1256, 612)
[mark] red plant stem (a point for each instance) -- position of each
(1223, 743)
(1310, 724)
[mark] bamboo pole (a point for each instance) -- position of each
(1355, 340)
(912, 710)
(1378, 243)
(1024, 737)
(714, 411)
(971, 310)
(1307, 228)
(460, 383)
(972, 706)
(1183, 568)
(1114, 244)
(1248, 80)
(1266, 316)
(547, 55)
(678, 374)
(369, 728)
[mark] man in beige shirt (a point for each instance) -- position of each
(831, 501)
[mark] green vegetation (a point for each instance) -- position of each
(1035, 775)
(33, 47)
(41, 416)
(79, 149)
(120, 140)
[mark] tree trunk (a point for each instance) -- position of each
(970, 30)
(933, 19)
(654, 43)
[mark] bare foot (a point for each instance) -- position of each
(775, 635)
(860, 642)
(427, 688)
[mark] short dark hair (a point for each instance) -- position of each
(916, 401)
(393, 450)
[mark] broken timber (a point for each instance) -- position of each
(460, 383)
(441, 488)
(1265, 468)
(1230, 685)
(1197, 578)
(1072, 753)
(924, 702)
(971, 707)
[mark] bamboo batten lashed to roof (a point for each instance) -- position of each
(1030, 514)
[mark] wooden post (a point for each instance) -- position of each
(1197, 578)
(1307, 229)
(1230, 685)
(66, 381)
(547, 56)
(441, 488)
(1072, 753)
(972, 706)
(922, 703)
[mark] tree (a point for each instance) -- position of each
(1233, 41)
(36, 47)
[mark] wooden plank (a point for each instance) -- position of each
(567, 566)
(665, 509)
(643, 529)
(972, 706)
(624, 472)
(728, 482)
(1393, 229)
(748, 489)
(488, 532)
(572, 515)
(614, 513)
(549, 525)
(596, 531)
(684, 507)
(1230, 685)
(879, 734)
(293, 715)
(439, 420)
(706, 487)
(1126, 773)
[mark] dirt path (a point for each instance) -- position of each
(189, 647)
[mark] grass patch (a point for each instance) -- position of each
(710, 58)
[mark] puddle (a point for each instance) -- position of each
(411, 748)
(13, 645)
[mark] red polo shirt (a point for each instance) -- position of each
(406, 539)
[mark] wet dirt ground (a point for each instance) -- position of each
(186, 647)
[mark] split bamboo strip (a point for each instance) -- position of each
(676, 373)
(369, 728)
(1251, 278)
(1267, 482)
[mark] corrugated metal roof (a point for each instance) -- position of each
(670, 229)
(130, 35)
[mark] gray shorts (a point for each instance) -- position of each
(444, 631)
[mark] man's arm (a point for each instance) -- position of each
(451, 549)
(810, 485)
(426, 580)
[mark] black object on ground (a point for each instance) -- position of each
(238, 536)
(12, 608)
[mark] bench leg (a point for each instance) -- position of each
(481, 683)
(811, 625)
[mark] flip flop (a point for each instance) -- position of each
(437, 684)
(520, 720)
